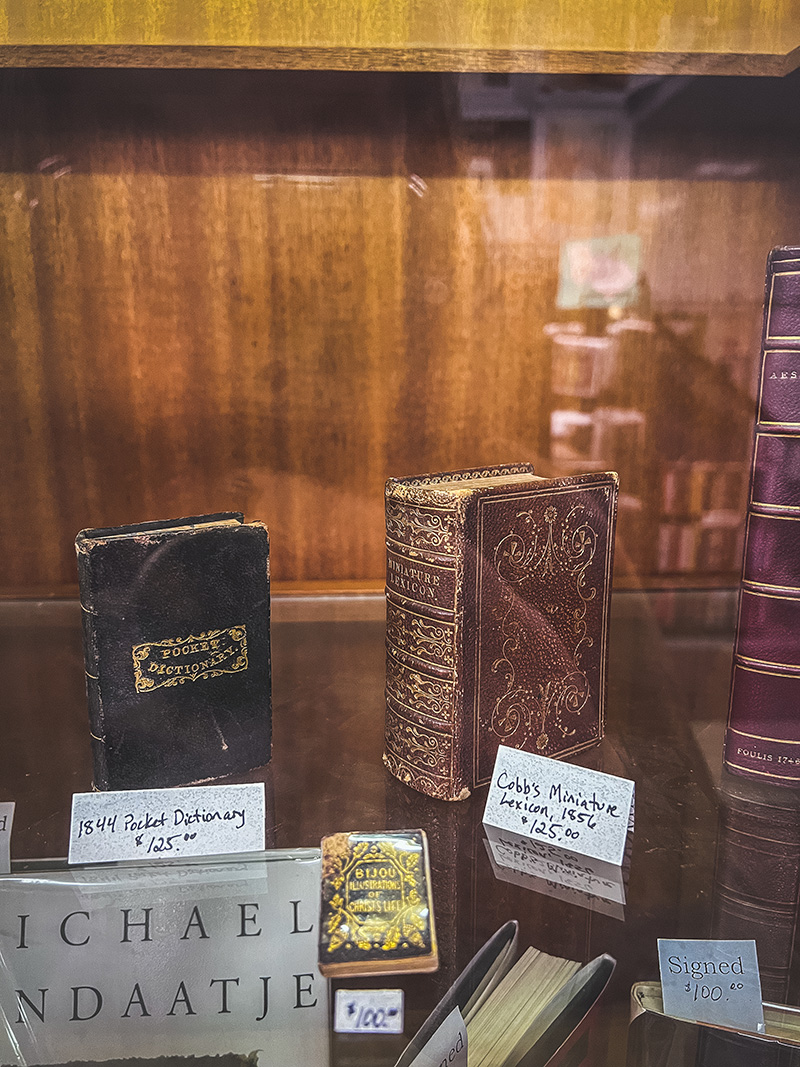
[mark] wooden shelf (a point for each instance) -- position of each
(552, 36)
(268, 291)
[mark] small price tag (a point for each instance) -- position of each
(6, 819)
(158, 824)
(447, 1045)
(368, 1011)
(583, 811)
(712, 982)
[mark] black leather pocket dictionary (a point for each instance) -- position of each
(177, 649)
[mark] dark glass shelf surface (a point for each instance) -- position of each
(668, 676)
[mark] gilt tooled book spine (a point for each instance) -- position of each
(176, 649)
(424, 638)
(498, 592)
(763, 732)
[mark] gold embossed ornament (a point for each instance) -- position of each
(376, 909)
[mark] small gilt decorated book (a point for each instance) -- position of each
(376, 908)
(498, 588)
(177, 649)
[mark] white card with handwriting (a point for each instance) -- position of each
(6, 819)
(141, 824)
(447, 1045)
(712, 982)
(368, 1011)
(581, 810)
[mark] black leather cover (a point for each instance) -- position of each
(177, 649)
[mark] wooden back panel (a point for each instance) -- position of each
(270, 291)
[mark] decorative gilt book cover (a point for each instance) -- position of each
(177, 649)
(498, 592)
(376, 913)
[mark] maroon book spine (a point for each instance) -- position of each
(763, 734)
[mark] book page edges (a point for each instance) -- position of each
(472, 986)
(188, 522)
(564, 1014)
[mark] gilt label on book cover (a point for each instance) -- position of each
(187, 659)
(543, 584)
(201, 959)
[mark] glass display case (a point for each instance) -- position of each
(263, 260)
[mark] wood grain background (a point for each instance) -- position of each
(733, 36)
(268, 291)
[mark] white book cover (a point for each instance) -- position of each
(188, 958)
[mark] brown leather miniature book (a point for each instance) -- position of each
(498, 589)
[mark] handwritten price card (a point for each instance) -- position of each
(712, 982)
(6, 819)
(447, 1044)
(368, 1011)
(141, 824)
(584, 811)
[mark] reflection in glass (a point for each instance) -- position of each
(556, 872)
(757, 877)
